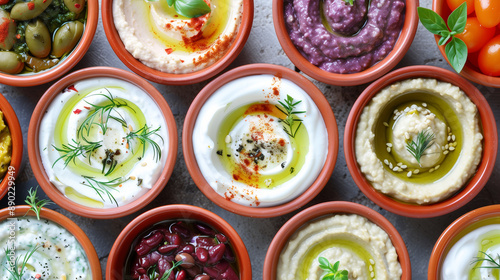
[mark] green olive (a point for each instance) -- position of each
(66, 38)
(10, 62)
(38, 39)
(75, 6)
(39, 64)
(8, 26)
(29, 10)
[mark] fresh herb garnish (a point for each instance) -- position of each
(71, 151)
(168, 272)
(17, 270)
(144, 136)
(152, 272)
(109, 160)
(333, 272)
(488, 258)
(289, 107)
(36, 205)
(103, 187)
(456, 49)
(190, 8)
(350, 2)
(424, 141)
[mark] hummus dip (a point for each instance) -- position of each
(406, 115)
(59, 255)
(245, 151)
(362, 248)
(160, 38)
(102, 142)
(342, 38)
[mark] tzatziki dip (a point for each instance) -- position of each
(53, 252)
(103, 142)
(260, 141)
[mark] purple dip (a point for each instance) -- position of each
(359, 37)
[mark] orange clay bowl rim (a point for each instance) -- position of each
(469, 71)
(123, 243)
(444, 242)
(34, 151)
(176, 79)
(402, 45)
(69, 225)
(328, 208)
(69, 62)
(323, 106)
(17, 144)
(466, 193)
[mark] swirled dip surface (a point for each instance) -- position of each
(59, 255)
(121, 167)
(341, 38)
(164, 40)
(362, 248)
(399, 117)
(243, 150)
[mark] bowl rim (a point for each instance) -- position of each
(377, 70)
(68, 224)
(68, 63)
(328, 208)
(177, 79)
(468, 71)
(475, 183)
(16, 134)
(171, 212)
(462, 223)
(34, 151)
(320, 101)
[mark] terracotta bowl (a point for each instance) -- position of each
(461, 226)
(375, 71)
(249, 70)
(335, 207)
(34, 151)
(467, 192)
(42, 77)
(12, 122)
(469, 71)
(66, 223)
(176, 79)
(123, 244)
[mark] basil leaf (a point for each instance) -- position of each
(443, 40)
(170, 2)
(431, 21)
(458, 19)
(456, 52)
(191, 8)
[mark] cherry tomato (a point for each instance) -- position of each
(488, 12)
(453, 4)
(475, 35)
(489, 57)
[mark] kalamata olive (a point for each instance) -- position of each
(29, 10)
(39, 64)
(9, 28)
(187, 249)
(187, 260)
(75, 6)
(38, 39)
(10, 62)
(202, 254)
(154, 239)
(216, 253)
(229, 274)
(167, 248)
(221, 237)
(66, 38)
(202, 277)
(182, 275)
(205, 229)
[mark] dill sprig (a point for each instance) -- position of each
(17, 270)
(167, 273)
(144, 136)
(488, 258)
(424, 141)
(104, 187)
(288, 110)
(332, 271)
(71, 151)
(36, 205)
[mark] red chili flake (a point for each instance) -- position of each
(77, 6)
(77, 111)
(72, 87)
(31, 6)
(86, 107)
(169, 50)
(38, 276)
(18, 36)
(3, 2)
(182, 61)
(4, 30)
(281, 142)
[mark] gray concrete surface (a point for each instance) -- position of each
(262, 46)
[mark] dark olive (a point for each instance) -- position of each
(187, 260)
(10, 26)
(75, 6)
(10, 62)
(29, 10)
(39, 64)
(38, 39)
(66, 38)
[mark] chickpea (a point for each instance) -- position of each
(38, 39)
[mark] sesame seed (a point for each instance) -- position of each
(385, 124)
(400, 164)
(386, 162)
(228, 139)
(449, 138)
(389, 145)
(404, 166)
(453, 137)
(431, 170)
(437, 166)
(390, 165)
(388, 149)
(372, 261)
(445, 152)
(451, 148)
(409, 174)
(416, 171)
(424, 104)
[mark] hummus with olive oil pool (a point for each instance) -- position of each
(419, 140)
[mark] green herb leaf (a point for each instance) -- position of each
(431, 21)
(444, 39)
(104, 187)
(17, 270)
(190, 8)
(488, 258)
(289, 111)
(170, 2)
(417, 148)
(350, 2)
(36, 205)
(332, 270)
(144, 136)
(456, 52)
(168, 272)
(458, 19)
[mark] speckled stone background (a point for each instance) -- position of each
(262, 46)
